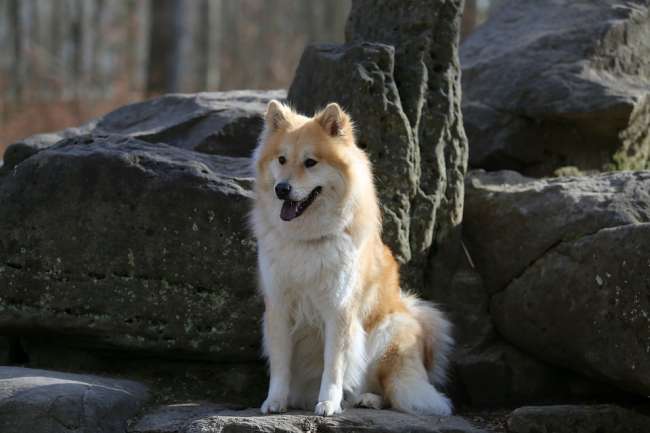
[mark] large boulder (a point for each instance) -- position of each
(112, 242)
(224, 123)
(214, 419)
(565, 261)
(399, 79)
(565, 83)
(40, 401)
(586, 305)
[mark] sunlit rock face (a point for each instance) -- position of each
(559, 87)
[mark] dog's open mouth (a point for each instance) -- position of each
(293, 209)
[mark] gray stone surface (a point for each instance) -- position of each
(210, 419)
(170, 378)
(566, 264)
(112, 242)
(577, 419)
(5, 350)
(511, 220)
(40, 401)
(224, 123)
(174, 418)
(400, 54)
(499, 375)
(548, 85)
(585, 305)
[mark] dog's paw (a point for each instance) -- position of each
(439, 405)
(370, 401)
(274, 405)
(328, 408)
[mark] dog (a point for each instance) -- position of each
(336, 322)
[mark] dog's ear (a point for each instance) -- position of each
(277, 116)
(334, 120)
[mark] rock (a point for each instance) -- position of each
(566, 263)
(110, 242)
(548, 85)
(174, 418)
(195, 419)
(486, 371)
(499, 375)
(23, 149)
(400, 54)
(5, 351)
(585, 305)
(224, 123)
(40, 401)
(501, 210)
(577, 419)
(466, 302)
(511, 221)
(370, 96)
(169, 378)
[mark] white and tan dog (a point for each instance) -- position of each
(336, 319)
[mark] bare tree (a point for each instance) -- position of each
(470, 18)
(85, 49)
(166, 45)
(18, 21)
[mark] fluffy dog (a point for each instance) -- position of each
(336, 320)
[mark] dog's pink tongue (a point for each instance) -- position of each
(289, 210)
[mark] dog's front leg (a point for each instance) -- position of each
(331, 388)
(278, 347)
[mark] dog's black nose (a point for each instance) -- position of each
(282, 190)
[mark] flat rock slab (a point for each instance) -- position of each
(577, 419)
(198, 419)
(223, 123)
(40, 401)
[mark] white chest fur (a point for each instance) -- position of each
(311, 278)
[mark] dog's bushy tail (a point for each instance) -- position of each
(436, 336)
(423, 353)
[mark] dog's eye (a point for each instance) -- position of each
(282, 160)
(310, 162)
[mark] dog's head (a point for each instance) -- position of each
(305, 170)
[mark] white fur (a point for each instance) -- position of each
(309, 284)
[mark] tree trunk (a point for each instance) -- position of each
(17, 22)
(213, 47)
(166, 43)
(470, 18)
